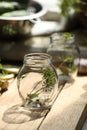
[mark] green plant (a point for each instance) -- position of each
(66, 6)
(67, 63)
(48, 81)
(67, 35)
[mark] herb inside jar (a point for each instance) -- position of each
(48, 81)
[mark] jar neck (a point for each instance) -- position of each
(37, 59)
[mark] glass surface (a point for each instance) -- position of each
(64, 48)
(37, 83)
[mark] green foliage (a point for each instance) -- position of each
(67, 66)
(47, 82)
(1, 84)
(66, 6)
(67, 35)
(31, 96)
(2, 71)
(50, 79)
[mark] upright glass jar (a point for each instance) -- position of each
(63, 46)
(37, 82)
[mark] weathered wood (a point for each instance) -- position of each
(9, 99)
(67, 113)
(69, 110)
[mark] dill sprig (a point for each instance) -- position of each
(48, 81)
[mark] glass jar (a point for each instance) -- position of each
(63, 49)
(37, 82)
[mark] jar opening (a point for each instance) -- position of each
(70, 37)
(37, 56)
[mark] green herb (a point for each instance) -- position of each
(31, 96)
(2, 71)
(69, 59)
(48, 81)
(49, 77)
(0, 66)
(66, 6)
(9, 29)
(1, 83)
(67, 35)
(67, 65)
(10, 6)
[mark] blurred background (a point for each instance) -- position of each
(25, 32)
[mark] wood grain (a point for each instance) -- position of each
(68, 112)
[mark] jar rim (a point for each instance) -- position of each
(65, 35)
(37, 56)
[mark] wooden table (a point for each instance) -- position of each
(68, 112)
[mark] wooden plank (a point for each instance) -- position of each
(82, 120)
(7, 101)
(69, 110)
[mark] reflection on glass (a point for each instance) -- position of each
(37, 86)
(64, 47)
